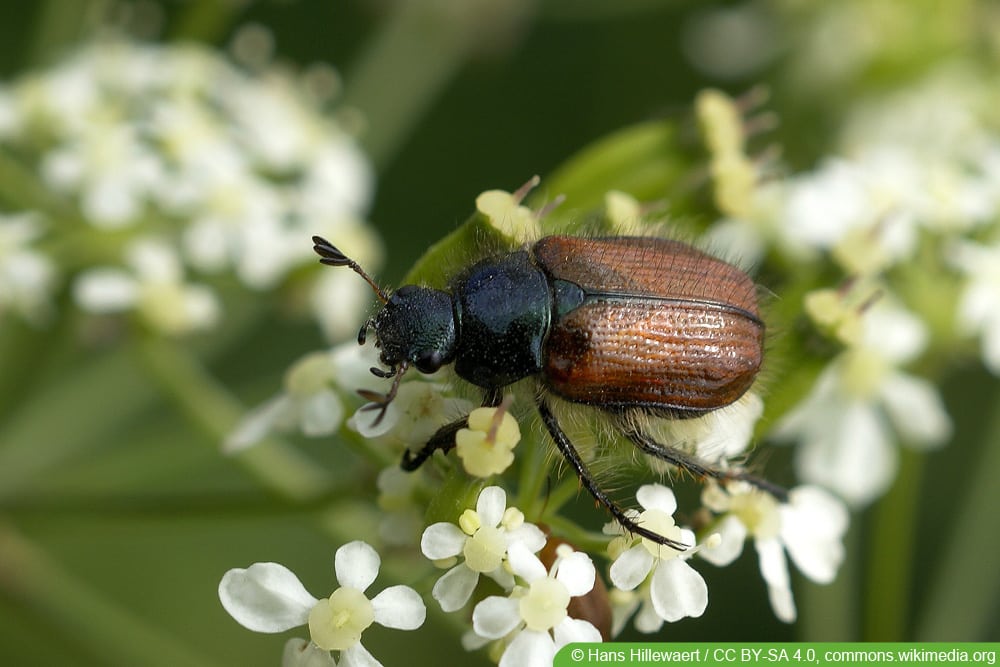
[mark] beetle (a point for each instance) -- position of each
(633, 326)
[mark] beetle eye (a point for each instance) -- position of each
(429, 362)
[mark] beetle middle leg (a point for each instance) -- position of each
(569, 452)
(697, 467)
(444, 437)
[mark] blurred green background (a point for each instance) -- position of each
(123, 515)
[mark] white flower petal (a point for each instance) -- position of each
(491, 505)
(265, 597)
(356, 564)
(442, 540)
(105, 290)
(455, 587)
(915, 407)
(529, 649)
(631, 568)
(648, 620)
(503, 578)
(678, 590)
(657, 497)
(495, 617)
(733, 533)
(571, 630)
(774, 569)
(399, 607)
(358, 656)
(812, 526)
(527, 534)
(576, 572)
(524, 563)
(322, 414)
(854, 456)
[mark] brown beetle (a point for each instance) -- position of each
(633, 326)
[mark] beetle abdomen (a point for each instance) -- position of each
(679, 356)
(661, 325)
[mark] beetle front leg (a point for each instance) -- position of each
(699, 468)
(569, 452)
(444, 437)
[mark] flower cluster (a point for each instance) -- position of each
(531, 622)
(268, 597)
(164, 167)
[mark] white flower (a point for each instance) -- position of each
(308, 403)
(858, 209)
(244, 167)
(845, 425)
(26, 275)
(809, 526)
(419, 409)
(674, 588)
(486, 446)
(154, 287)
(979, 308)
(534, 620)
(483, 538)
(268, 597)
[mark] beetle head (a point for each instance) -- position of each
(416, 327)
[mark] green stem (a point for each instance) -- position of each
(963, 595)
(829, 613)
(584, 540)
(277, 465)
(535, 466)
(112, 634)
(890, 561)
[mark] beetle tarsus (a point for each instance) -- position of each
(698, 468)
(569, 452)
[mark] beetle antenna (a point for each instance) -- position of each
(331, 256)
(381, 402)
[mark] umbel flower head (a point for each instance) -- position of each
(268, 597)
(670, 585)
(533, 621)
(483, 538)
(810, 527)
(166, 164)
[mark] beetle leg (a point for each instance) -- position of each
(444, 437)
(698, 468)
(568, 451)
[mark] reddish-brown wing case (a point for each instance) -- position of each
(663, 325)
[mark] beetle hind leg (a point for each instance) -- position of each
(569, 452)
(699, 468)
